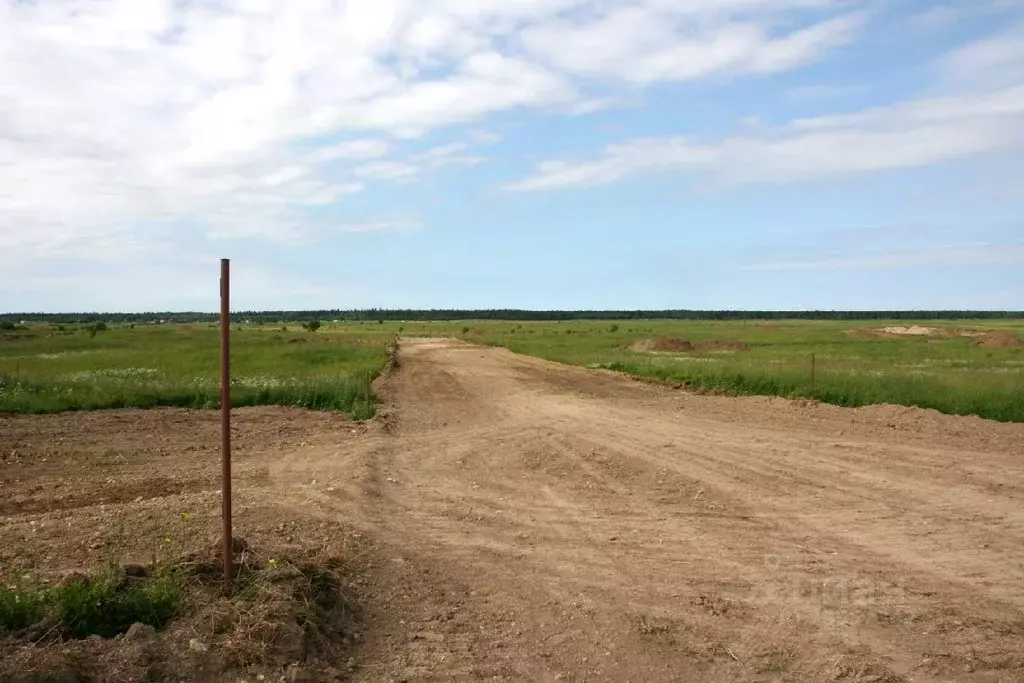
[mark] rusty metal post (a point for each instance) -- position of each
(225, 416)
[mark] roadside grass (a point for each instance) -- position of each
(852, 365)
(45, 369)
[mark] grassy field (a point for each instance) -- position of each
(45, 368)
(48, 368)
(855, 363)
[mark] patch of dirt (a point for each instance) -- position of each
(914, 331)
(682, 345)
(911, 331)
(661, 345)
(518, 520)
(721, 345)
(1001, 339)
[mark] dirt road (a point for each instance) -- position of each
(527, 521)
(584, 526)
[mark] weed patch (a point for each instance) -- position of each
(104, 604)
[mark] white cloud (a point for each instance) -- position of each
(452, 154)
(905, 135)
(963, 256)
(121, 118)
(644, 44)
(993, 61)
(350, 149)
(380, 226)
(386, 170)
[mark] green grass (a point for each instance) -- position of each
(948, 373)
(45, 369)
(104, 604)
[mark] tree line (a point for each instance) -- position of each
(381, 315)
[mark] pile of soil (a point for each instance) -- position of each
(287, 620)
(910, 331)
(661, 345)
(684, 345)
(1001, 339)
(914, 331)
(722, 345)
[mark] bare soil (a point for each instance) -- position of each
(671, 345)
(915, 331)
(508, 518)
(999, 339)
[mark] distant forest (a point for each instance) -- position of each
(380, 315)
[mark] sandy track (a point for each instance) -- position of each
(583, 526)
(512, 519)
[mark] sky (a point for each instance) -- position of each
(545, 154)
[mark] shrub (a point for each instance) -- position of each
(96, 327)
(21, 606)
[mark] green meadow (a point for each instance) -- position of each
(46, 368)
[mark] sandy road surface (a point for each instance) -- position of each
(582, 526)
(512, 519)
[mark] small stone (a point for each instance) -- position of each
(139, 631)
(197, 645)
(351, 664)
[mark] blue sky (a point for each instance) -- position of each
(512, 153)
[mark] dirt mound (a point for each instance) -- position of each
(661, 345)
(1001, 339)
(286, 617)
(722, 345)
(910, 331)
(914, 331)
(684, 345)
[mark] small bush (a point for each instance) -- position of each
(21, 606)
(96, 327)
